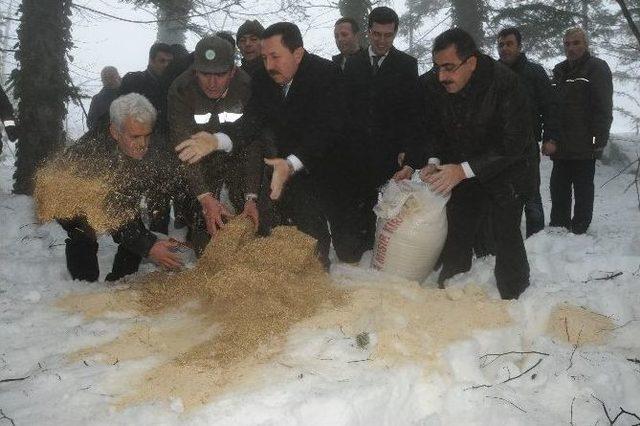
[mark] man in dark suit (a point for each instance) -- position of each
(99, 108)
(346, 32)
(297, 98)
(381, 86)
(148, 83)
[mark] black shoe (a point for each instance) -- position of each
(125, 263)
(82, 259)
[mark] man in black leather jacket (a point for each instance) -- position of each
(478, 147)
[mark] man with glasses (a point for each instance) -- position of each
(478, 147)
(381, 84)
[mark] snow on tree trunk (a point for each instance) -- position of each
(42, 84)
(469, 15)
(358, 10)
(173, 16)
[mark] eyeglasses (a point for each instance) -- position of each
(449, 68)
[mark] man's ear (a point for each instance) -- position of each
(113, 130)
(473, 62)
(297, 54)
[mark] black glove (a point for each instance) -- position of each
(12, 132)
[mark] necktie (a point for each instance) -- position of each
(376, 63)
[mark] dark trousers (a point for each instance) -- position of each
(534, 214)
(533, 210)
(159, 213)
(81, 252)
(464, 222)
(565, 176)
(301, 206)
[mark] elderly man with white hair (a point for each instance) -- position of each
(584, 88)
(124, 156)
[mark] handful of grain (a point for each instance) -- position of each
(63, 191)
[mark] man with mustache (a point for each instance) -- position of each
(478, 146)
(124, 156)
(584, 88)
(297, 99)
(204, 103)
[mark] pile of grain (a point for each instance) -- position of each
(63, 190)
(255, 288)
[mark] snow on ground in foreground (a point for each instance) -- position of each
(36, 339)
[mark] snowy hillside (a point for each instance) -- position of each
(395, 354)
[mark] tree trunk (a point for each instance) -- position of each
(6, 29)
(585, 16)
(627, 15)
(173, 16)
(469, 15)
(42, 85)
(358, 10)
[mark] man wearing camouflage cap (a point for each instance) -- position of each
(203, 104)
(248, 36)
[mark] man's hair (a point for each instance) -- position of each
(226, 35)
(109, 70)
(577, 31)
(179, 51)
(159, 47)
(462, 40)
(384, 15)
(355, 28)
(134, 106)
(505, 32)
(291, 37)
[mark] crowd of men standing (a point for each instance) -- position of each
(301, 140)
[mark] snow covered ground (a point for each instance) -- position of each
(560, 380)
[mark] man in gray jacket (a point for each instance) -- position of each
(204, 102)
(584, 88)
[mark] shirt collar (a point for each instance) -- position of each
(371, 54)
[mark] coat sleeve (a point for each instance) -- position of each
(252, 129)
(181, 127)
(517, 136)
(547, 101)
(92, 115)
(601, 103)
(134, 236)
(427, 128)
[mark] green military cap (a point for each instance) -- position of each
(213, 55)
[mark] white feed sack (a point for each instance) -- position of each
(411, 229)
